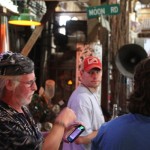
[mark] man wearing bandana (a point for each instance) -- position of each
(18, 131)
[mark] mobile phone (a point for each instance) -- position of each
(76, 132)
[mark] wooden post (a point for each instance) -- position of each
(92, 24)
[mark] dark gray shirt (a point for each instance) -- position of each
(18, 131)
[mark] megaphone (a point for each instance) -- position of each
(127, 57)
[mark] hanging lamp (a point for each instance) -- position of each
(24, 19)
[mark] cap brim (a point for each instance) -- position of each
(91, 67)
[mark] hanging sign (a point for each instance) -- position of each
(96, 11)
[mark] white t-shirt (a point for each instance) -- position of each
(87, 109)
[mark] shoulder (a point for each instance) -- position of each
(80, 92)
(117, 122)
(80, 99)
(5, 111)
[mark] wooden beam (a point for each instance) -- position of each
(36, 33)
(33, 38)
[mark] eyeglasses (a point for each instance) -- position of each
(28, 83)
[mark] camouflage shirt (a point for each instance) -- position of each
(18, 131)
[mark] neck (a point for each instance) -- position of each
(13, 105)
(91, 89)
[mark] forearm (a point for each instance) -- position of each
(86, 139)
(54, 138)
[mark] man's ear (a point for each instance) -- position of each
(9, 85)
(81, 72)
(80, 75)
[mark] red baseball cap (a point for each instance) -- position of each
(91, 62)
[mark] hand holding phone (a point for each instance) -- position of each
(76, 132)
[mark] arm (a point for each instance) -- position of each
(54, 138)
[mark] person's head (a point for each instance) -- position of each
(91, 72)
(17, 78)
(139, 101)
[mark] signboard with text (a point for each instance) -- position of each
(97, 11)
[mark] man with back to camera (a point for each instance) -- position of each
(85, 103)
(130, 131)
(18, 131)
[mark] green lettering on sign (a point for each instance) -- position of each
(96, 11)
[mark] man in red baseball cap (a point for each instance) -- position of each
(85, 102)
